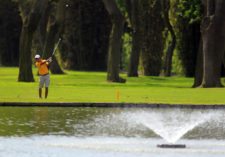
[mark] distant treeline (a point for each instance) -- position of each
(149, 37)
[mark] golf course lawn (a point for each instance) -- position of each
(93, 87)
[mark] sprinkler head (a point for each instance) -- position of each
(171, 145)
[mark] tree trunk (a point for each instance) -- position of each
(213, 35)
(136, 38)
(188, 45)
(199, 67)
(152, 39)
(172, 44)
(55, 23)
(199, 60)
(86, 36)
(115, 41)
(30, 23)
(42, 29)
(49, 47)
(25, 63)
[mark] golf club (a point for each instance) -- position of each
(56, 47)
(50, 58)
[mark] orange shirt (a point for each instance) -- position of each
(42, 67)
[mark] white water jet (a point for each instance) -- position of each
(171, 124)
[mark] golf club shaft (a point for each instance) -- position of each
(56, 46)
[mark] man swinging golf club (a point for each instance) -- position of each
(43, 73)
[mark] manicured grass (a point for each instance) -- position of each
(92, 87)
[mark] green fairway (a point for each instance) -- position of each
(92, 87)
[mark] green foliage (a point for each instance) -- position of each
(92, 87)
(190, 9)
(185, 17)
(122, 6)
(177, 65)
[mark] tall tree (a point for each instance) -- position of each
(152, 46)
(115, 41)
(172, 44)
(86, 36)
(30, 23)
(133, 7)
(188, 15)
(53, 32)
(199, 61)
(213, 36)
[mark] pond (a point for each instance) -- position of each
(109, 132)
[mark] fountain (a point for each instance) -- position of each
(172, 124)
(108, 132)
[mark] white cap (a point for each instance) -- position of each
(37, 56)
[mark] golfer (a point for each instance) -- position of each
(43, 73)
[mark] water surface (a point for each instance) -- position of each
(100, 132)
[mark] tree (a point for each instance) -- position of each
(30, 24)
(213, 37)
(199, 67)
(115, 43)
(86, 36)
(172, 44)
(133, 7)
(188, 15)
(55, 23)
(152, 40)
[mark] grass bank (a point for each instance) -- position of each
(92, 87)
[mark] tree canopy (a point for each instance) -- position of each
(149, 37)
